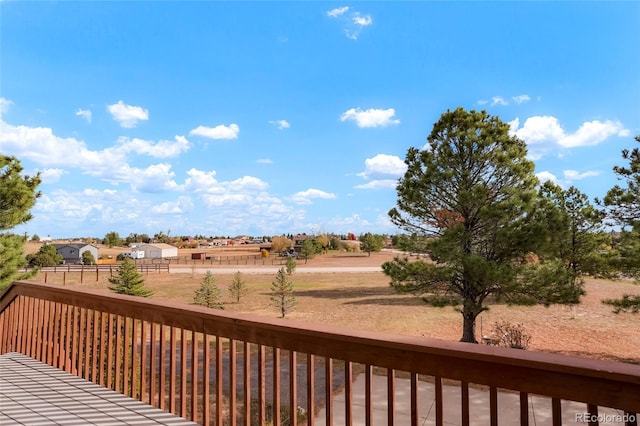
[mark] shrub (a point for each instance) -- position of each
(510, 335)
(87, 258)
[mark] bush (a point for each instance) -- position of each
(510, 335)
(87, 258)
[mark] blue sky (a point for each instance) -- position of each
(260, 118)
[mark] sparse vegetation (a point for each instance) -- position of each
(627, 303)
(510, 335)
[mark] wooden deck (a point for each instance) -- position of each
(33, 393)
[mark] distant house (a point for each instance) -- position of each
(158, 250)
(298, 241)
(72, 252)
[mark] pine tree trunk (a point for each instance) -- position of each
(469, 326)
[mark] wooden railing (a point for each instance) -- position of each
(221, 368)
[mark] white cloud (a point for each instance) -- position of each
(206, 182)
(84, 113)
(334, 13)
(592, 133)
(538, 129)
(371, 117)
(153, 179)
(201, 181)
(483, 102)
(181, 205)
(219, 132)
(160, 149)
(362, 21)
(571, 175)
(305, 197)
(383, 170)
(5, 104)
(547, 132)
(379, 184)
(521, 99)
(127, 115)
(68, 205)
(42, 146)
(247, 184)
(354, 22)
(280, 124)
(264, 161)
(383, 164)
(353, 223)
(498, 100)
(546, 175)
(52, 175)
(568, 176)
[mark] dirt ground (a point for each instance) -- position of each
(364, 300)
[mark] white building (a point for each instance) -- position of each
(157, 251)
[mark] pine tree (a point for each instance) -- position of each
(623, 205)
(469, 196)
(17, 196)
(129, 281)
(209, 293)
(282, 293)
(290, 265)
(371, 242)
(17, 193)
(238, 287)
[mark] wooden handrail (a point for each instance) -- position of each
(595, 382)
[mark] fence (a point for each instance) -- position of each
(221, 368)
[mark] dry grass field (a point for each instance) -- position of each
(365, 301)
